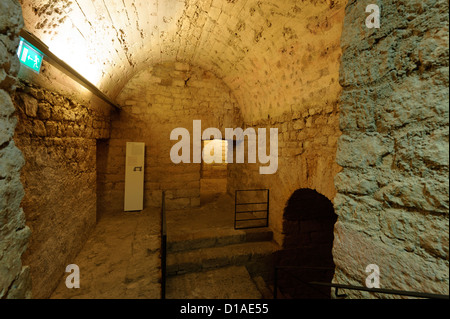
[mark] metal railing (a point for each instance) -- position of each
(349, 287)
(163, 246)
(380, 290)
(250, 211)
(288, 270)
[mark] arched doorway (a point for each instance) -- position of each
(308, 223)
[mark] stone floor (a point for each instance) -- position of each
(216, 211)
(120, 260)
(232, 282)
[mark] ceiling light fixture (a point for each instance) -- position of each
(64, 67)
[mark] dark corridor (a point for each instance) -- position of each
(308, 224)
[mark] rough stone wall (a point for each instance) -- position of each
(14, 278)
(156, 101)
(57, 136)
(301, 99)
(307, 143)
(393, 200)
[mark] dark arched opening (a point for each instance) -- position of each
(308, 225)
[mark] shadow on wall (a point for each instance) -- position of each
(308, 225)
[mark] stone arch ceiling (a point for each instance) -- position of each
(275, 55)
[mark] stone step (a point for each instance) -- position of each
(215, 238)
(258, 257)
(232, 282)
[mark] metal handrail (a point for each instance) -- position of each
(381, 290)
(163, 246)
(275, 289)
(351, 287)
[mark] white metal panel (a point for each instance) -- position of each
(134, 177)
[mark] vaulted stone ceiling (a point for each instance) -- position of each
(276, 56)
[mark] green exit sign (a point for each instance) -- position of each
(29, 55)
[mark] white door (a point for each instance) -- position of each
(134, 177)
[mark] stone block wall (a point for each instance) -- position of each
(393, 200)
(57, 136)
(301, 99)
(15, 281)
(307, 143)
(280, 60)
(156, 101)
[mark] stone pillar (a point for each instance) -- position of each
(393, 201)
(14, 278)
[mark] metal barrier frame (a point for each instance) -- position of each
(236, 212)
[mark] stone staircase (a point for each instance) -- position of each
(220, 263)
